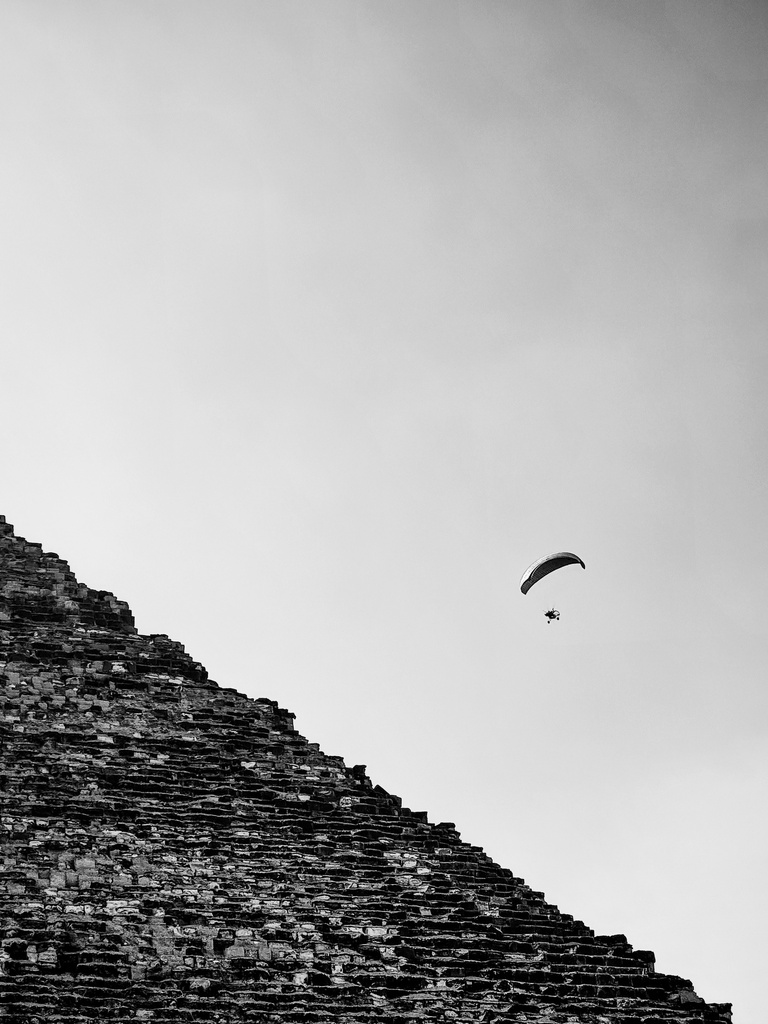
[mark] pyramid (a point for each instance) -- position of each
(174, 851)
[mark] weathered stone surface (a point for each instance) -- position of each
(173, 851)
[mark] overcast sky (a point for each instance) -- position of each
(321, 320)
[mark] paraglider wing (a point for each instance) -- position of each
(546, 565)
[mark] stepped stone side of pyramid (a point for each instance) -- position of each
(173, 851)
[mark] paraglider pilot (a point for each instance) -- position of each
(552, 615)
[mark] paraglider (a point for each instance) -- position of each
(541, 568)
(546, 565)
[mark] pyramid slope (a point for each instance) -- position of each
(175, 851)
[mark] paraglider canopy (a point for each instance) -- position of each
(546, 565)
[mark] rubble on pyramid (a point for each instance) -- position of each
(174, 851)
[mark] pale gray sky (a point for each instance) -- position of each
(322, 320)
